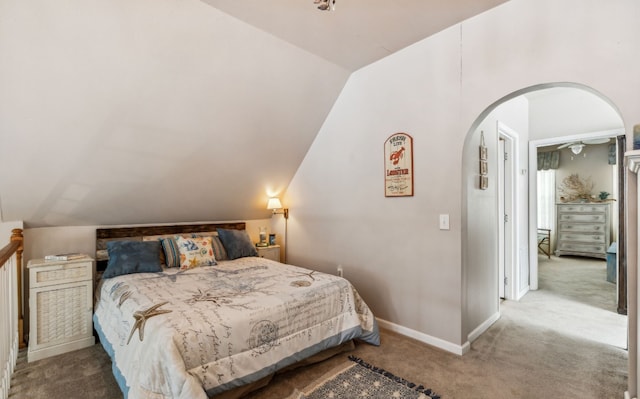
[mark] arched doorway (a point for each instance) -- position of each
(481, 207)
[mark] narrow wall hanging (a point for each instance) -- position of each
(398, 165)
(484, 168)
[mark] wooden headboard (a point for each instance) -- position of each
(104, 235)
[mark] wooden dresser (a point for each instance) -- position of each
(583, 229)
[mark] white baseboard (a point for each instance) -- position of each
(37, 354)
(473, 335)
(422, 337)
(522, 293)
(440, 343)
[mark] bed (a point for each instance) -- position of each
(213, 329)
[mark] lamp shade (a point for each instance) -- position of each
(274, 203)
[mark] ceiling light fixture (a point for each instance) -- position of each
(326, 5)
(576, 148)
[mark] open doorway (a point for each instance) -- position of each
(586, 132)
(562, 116)
(578, 198)
(598, 165)
(553, 123)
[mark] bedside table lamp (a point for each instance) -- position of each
(275, 205)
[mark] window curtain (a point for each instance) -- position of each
(548, 160)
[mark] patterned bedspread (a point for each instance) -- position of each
(193, 333)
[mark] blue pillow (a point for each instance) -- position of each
(237, 243)
(126, 257)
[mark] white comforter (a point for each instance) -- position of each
(202, 331)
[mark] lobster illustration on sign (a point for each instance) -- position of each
(396, 156)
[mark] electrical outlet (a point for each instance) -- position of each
(444, 222)
(340, 271)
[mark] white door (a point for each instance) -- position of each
(507, 212)
(501, 218)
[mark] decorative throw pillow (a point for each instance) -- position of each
(218, 249)
(126, 257)
(195, 252)
(237, 243)
(156, 238)
(171, 252)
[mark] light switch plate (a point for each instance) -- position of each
(444, 222)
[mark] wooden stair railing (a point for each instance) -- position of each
(16, 246)
(11, 323)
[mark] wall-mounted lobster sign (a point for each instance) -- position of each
(398, 166)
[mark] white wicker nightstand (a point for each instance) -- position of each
(60, 306)
(271, 252)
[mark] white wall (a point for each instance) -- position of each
(113, 110)
(391, 248)
(591, 164)
(438, 90)
(565, 111)
(5, 231)
(480, 251)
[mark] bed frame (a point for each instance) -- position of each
(104, 235)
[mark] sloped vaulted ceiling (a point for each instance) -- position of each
(138, 111)
(358, 32)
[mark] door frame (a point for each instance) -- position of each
(508, 237)
(533, 189)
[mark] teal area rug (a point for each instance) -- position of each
(358, 379)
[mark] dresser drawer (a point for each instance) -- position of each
(586, 218)
(45, 274)
(581, 227)
(582, 247)
(582, 238)
(578, 208)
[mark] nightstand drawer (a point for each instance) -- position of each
(271, 252)
(51, 273)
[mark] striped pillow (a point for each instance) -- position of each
(171, 252)
(218, 249)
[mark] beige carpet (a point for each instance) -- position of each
(548, 345)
